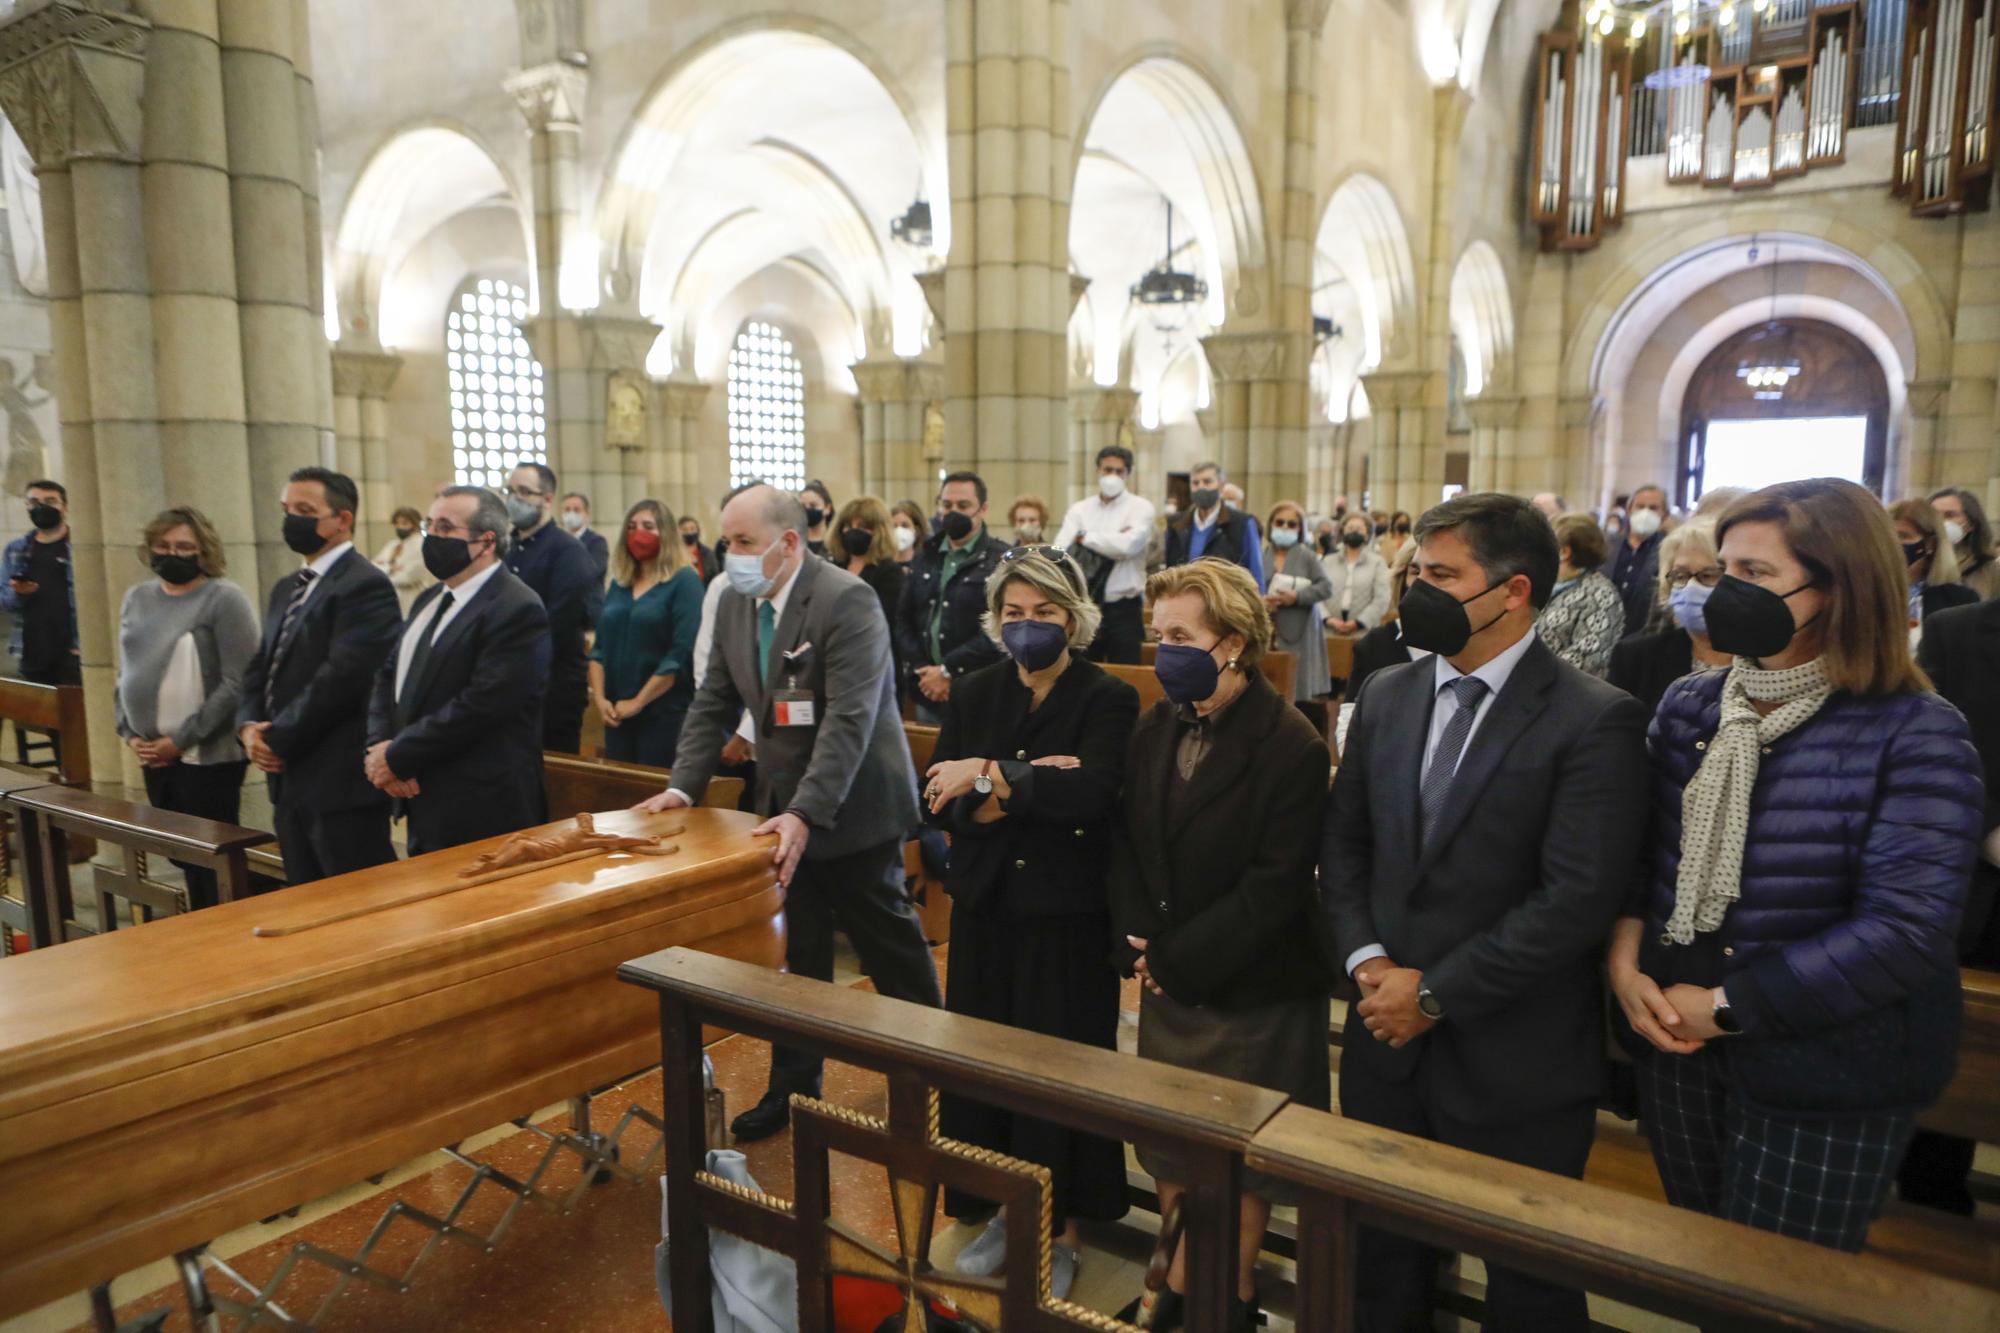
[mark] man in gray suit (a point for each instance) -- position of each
(1485, 827)
(802, 646)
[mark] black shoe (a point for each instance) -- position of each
(764, 1119)
(1244, 1316)
(1169, 1308)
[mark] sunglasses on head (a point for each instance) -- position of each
(1055, 555)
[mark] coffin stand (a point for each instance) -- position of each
(163, 1085)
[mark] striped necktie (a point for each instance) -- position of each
(1468, 690)
(287, 628)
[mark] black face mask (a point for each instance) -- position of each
(46, 517)
(302, 534)
(956, 526)
(176, 569)
(1434, 620)
(1402, 529)
(814, 516)
(1354, 539)
(857, 541)
(1745, 620)
(404, 534)
(1915, 551)
(1326, 543)
(446, 557)
(690, 539)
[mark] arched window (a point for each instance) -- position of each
(767, 409)
(497, 418)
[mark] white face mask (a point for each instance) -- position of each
(1645, 522)
(573, 520)
(905, 539)
(1954, 531)
(1111, 485)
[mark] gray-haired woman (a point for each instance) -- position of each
(1026, 776)
(183, 639)
(1296, 597)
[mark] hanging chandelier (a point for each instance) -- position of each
(913, 228)
(1771, 358)
(1167, 293)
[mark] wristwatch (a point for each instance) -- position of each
(1725, 1017)
(983, 784)
(1429, 1005)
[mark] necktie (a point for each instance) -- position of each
(421, 658)
(287, 626)
(767, 627)
(1468, 690)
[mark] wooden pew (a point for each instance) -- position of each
(595, 785)
(57, 712)
(1970, 1107)
(1340, 655)
(57, 814)
(161, 1086)
(1701, 1269)
(1281, 669)
(26, 913)
(927, 895)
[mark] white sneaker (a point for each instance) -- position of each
(987, 1252)
(1063, 1260)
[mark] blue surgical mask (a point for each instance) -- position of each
(1187, 674)
(746, 573)
(1284, 537)
(1689, 603)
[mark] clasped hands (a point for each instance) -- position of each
(953, 778)
(155, 753)
(376, 764)
(1679, 1020)
(1388, 1005)
(614, 711)
(933, 683)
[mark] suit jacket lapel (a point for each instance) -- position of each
(1408, 730)
(1505, 722)
(791, 624)
(447, 638)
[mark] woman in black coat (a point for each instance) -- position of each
(864, 546)
(1029, 762)
(1213, 889)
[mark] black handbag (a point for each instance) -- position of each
(1898, 1058)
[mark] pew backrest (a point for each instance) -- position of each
(577, 786)
(57, 710)
(1281, 669)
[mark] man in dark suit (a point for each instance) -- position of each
(455, 722)
(1485, 826)
(1636, 567)
(553, 564)
(802, 645)
(576, 522)
(1212, 528)
(938, 623)
(302, 716)
(1960, 652)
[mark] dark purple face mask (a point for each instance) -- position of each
(1187, 674)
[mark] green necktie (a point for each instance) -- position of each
(767, 626)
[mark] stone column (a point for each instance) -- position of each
(1496, 423)
(1397, 410)
(1277, 467)
(1572, 454)
(603, 458)
(1923, 453)
(361, 381)
(673, 466)
(551, 97)
(71, 81)
(1006, 279)
(1423, 468)
(897, 394)
(1102, 416)
(1262, 439)
(286, 377)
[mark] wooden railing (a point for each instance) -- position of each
(54, 712)
(1716, 1273)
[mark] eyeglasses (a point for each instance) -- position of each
(444, 527)
(1055, 555)
(1707, 578)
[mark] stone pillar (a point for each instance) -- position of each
(1102, 416)
(1397, 402)
(897, 394)
(361, 381)
(1924, 454)
(1496, 421)
(286, 377)
(1278, 467)
(1262, 439)
(673, 465)
(606, 458)
(1423, 468)
(1573, 452)
(1006, 279)
(551, 97)
(71, 81)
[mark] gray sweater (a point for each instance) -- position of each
(224, 627)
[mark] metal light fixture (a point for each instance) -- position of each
(1166, 292)
(913, 228)
(1771, 359)
(1324, 329)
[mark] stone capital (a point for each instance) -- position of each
(1927, 397)
(358, 374)
(551, 30)
(72, 73)
(1078, 285)
(1494, 412)
(682, 396)
(550, 94)
(898, 380)
(1388, 389)
(932, 284)
(1112, 403)
(1449, 105)
(615, 342)
(1253, 356)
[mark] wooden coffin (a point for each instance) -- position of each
(162, 1085)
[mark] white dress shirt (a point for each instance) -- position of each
(1496, 674)
(414, 630)
(321, 565)
(1118, 530)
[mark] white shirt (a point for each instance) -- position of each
(414, 630)
(1496, 674)
(321, 565)
(1119, 530)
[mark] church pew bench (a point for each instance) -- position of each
(1638, 1250)
(19, 915)
(53, 711)
(927, 893)
(1281, 669)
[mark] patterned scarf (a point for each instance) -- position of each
(1715, 807)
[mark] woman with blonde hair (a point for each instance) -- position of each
(1212, 881)
(1645, 664)
(1025, 777)
(642, 667)
(1935, 582)
(184, 638)
(1789, 977)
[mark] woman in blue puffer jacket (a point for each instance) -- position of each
(1790, 971)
